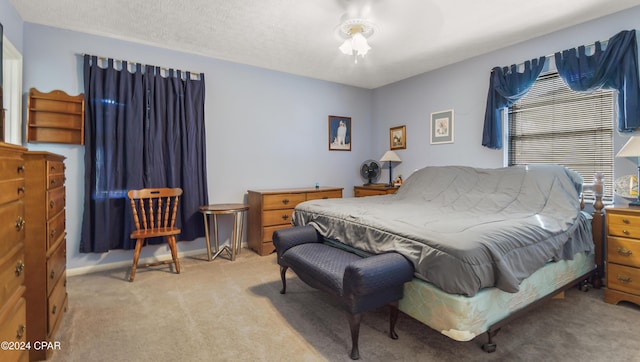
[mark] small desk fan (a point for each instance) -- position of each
(370, 169)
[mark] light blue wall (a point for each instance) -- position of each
(463, 87)
(268, 129)
(12, 24)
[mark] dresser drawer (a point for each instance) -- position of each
(324, 195)
(11, 190)
(56, 304)
(56, 265)
(623, 278)
(277, 217)
(267, 235)
(56, 228)
(55, 201)
(56, 180)
(55, 168)
(11, 272)
(12, 225)
(623, 251)
(282, 201)
(11, 168)
(14, 329)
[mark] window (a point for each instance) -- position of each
(553, 124)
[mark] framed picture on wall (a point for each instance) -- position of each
(442, 127)
(398, 138)
(339, 133)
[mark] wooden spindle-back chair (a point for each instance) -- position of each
(154, 214)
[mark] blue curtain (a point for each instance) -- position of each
(614, 68)
(506, 85)
(141, 130)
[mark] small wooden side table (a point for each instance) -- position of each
(238, 211)
(373, 190)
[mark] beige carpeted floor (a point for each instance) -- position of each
(233, 311)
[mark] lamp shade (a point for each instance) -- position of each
(390, 156)
(631, 148)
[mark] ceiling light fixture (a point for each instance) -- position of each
(355, 32)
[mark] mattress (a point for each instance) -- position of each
(463, 228)
(463, 318)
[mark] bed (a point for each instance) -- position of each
(486, 244)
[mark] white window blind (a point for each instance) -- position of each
(553, 124)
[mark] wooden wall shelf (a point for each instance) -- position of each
(55, 117)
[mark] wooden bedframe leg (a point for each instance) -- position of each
(283, 271)
(393, 318)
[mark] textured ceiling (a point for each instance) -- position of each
(299, 36)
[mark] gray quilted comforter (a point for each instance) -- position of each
(465, 228)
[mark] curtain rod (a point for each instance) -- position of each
(130, 62)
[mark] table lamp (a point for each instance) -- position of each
(390, 157)
(632, 149)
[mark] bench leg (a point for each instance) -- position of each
(283, 271)
(354, 326)
(393, 318)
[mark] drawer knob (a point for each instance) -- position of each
(626, 232)
(285, 201)
(624, 251)
(53, 181)
(20, 331)
(52, 204)
(20, 223)
(21, 190)
(624, 278)
(626, 221)
(20, 168)
(52, 274)
(54, 309)
(285, 217)
(52, 233)
(19, 268)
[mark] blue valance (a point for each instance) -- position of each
(614, 68)
(506, 86)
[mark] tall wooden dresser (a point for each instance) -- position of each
(12, 266)
(271, 210)
(45, 248)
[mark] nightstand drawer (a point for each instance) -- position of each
(623, 251)
(623, 278)
(619, 221)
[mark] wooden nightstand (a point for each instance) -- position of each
(373, 190)
(623, 255)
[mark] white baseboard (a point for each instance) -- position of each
(127, 263)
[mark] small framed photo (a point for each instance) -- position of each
(339, 133)
(398, 138)
(442, 127)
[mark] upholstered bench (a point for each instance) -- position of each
(359, 283)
